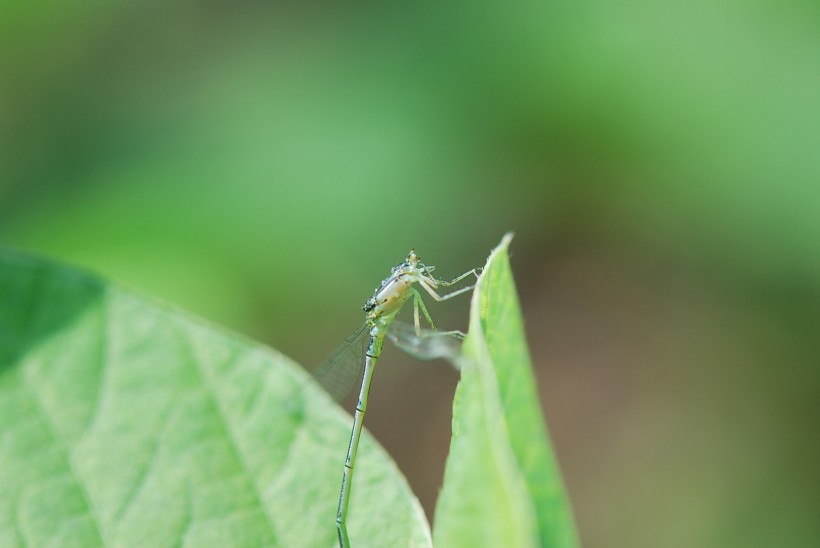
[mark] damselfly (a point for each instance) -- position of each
(340, 371)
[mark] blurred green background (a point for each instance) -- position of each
(264, 165)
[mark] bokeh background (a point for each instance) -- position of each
(265, 164)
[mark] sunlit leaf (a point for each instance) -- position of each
(502, 486)
(127, 423)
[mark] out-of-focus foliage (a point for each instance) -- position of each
(264, 166)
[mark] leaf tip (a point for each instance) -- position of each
(502, 246)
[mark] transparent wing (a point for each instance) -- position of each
(339, 374)
(426, 344)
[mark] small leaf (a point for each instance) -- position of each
(502, 486)
(126, 423)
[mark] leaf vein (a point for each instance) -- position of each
(227, 427)
(66, 453)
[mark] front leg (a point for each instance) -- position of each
(475, 272)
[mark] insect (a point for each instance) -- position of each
(381, 310)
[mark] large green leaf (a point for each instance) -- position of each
(502, 486)
(123, 422)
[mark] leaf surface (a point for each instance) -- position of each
(502, 486)
(124, 422)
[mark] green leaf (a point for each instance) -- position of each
(124, 422)
(502, 486)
